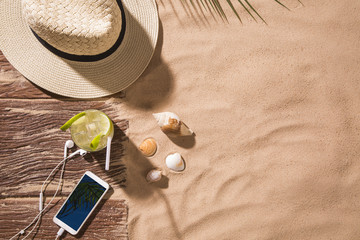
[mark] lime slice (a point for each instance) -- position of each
(71, 121)
(106, 126)
(95, 142)
(90, 131)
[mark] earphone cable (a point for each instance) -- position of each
(57, 189)
(38, 216)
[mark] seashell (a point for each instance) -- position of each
(175, 162)
(148, 147)
(153, 176)
(171, 124)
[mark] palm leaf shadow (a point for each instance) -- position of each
(218, 9)
(87, 193)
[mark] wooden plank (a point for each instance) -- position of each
(5, 66)
(107, 222)
(15, 85)
(32, 145)
(19, 87)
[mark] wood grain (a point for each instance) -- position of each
(15, 85)
(5, 66)
(19, 88)
(108, 221)
(32, 144)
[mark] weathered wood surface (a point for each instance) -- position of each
(108, 221)
(32, 145)
(31, 137)
(15, 85)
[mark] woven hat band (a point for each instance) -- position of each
(82, 27)
(80, 78)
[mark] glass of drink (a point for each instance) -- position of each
(92, 130)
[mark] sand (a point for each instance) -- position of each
(275, 110)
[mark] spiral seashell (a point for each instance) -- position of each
(153, 176)
(148, 147)
(171, 124)
(175, 162)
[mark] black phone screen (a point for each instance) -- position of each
(80, 203)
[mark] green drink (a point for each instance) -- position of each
(91, 130)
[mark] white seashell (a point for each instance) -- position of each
(153, 176)
(175, 162)
(171, 124)
(148, 147)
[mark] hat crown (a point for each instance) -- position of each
(81, 27)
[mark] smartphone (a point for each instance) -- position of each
(81, 203)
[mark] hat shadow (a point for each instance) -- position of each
(153, 86)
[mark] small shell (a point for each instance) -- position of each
(153, 176)
(171, 124)
(148, 147)
(175, 162)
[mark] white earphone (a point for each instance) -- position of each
(68, 144)
(81, 152)
(108, 149)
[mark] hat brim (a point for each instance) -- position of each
(81, 79)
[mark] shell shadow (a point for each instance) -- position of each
(184, 141)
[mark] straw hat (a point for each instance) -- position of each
(82, 48)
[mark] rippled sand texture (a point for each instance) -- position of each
(275, 110)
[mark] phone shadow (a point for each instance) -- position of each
(90, 220)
